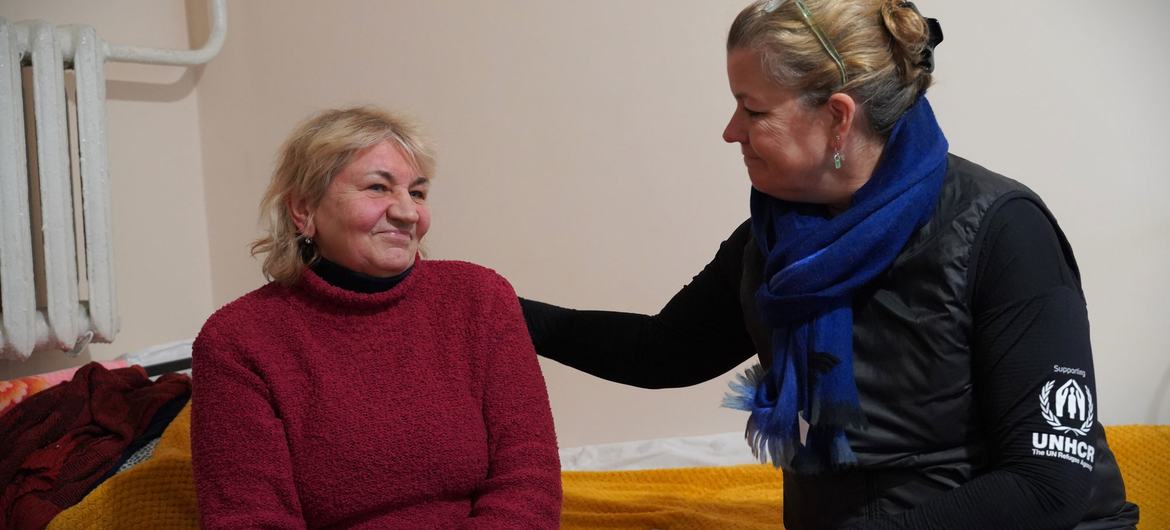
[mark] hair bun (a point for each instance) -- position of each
(914, 37)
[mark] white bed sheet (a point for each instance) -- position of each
(162, 353)
(722, 449)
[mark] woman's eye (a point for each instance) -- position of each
(753, 114)
(376, 187)
(419, 194)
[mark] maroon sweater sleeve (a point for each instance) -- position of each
(243, 472)
(523, 487)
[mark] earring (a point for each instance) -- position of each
(308, 241)
(837, 158)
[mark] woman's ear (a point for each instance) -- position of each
(302, 216)
(843, 111)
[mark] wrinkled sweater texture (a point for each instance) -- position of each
(419, 407)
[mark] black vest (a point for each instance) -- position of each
(912, 362)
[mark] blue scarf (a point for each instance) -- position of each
(814, 263)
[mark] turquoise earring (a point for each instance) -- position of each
(837, 158)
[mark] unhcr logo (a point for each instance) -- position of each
(1067, 409)
(1074, 405)
(1064, 448)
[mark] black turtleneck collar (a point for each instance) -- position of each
(343, 278)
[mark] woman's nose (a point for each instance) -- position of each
(733, 133)
(403, 207)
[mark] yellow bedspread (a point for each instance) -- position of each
(159, 493)
(747, 497)
(1143, 454)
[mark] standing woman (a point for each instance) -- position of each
(921, 330)
(365, 387)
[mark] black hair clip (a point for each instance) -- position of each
(934, 36)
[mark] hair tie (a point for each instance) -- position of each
(934, 36)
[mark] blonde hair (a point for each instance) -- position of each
(316, 151)
(881, 43)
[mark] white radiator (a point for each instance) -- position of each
(61, 318)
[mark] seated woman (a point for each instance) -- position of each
(365, 387)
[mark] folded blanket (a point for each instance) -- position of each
(61, 442)
(735, 497)
(157, 493)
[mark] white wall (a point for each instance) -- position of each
(159, 217)
(580, 153)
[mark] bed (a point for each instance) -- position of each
(698, 482)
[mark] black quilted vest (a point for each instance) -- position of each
(912, 362)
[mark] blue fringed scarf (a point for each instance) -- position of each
(813, 265)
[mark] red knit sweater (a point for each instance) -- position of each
(419, 407)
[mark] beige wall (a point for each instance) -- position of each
(580, 156)
(156, 175)
(579, 153)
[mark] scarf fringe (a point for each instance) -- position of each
(743, 389)
(809, 460)
(778, 444)
(770, 438)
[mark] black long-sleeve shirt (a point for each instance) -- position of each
(1029, 318)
